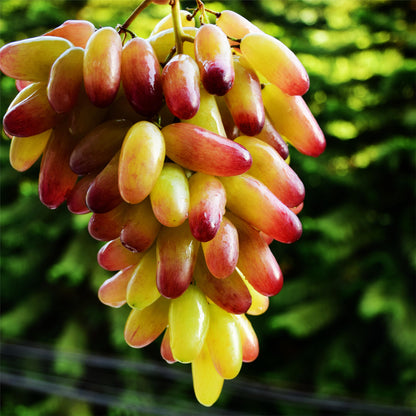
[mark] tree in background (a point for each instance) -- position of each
(344, 323)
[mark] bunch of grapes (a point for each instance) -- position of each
(177, 146)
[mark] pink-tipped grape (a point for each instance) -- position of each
(76, 199)
(276, 62)
(221, 252)
(197, 149)
(214, 58)
(142, 77)
(249, 340)
(76, 31)
(293, 119)
(108, 225)
(176, 251)
(244, 99)
(180, 80)
(207, 205)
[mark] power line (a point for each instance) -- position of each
(250, 389)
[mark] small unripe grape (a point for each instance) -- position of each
(141, 77)
(214, 58)
(181, 86)
(102, 66)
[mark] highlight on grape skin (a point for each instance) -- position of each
(177, 145)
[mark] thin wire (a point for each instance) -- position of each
(257, 391)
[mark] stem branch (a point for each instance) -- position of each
(136, 12)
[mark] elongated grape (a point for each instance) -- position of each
(163, 42)
(208, 115)
(142, 77)
(141, 161)
(231, 129)
(170, 196)
(176, 252)
(256, 261)
(31, 59)
(221, 253)
(214, 58)
(31, 116)
(76, 31)
(270, 136)
(165, 349)
(107, 226)
(140, 227)
(188, 324)
(249, 340)
(181, 86)
(145, 325)
(251, 200)
(114, 256)
(97, 148)
(230, 294)
(65, 80)
(224, 342)
(207, 382)
(102, 66)
(259, 302)
(197, 149)
(142, 290)
(273, 171)
(103, 194)
(293, 119)
(235, 26)
(167, 22)
(76, 199)
(56, 178)
(244, 99)
(207, 205)
(276, 62)
(25, 151)
(113, 291)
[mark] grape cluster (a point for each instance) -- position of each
(177, 146)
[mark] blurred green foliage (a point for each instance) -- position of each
(344, 324)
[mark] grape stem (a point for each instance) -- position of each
(180, 35)
(124, 27)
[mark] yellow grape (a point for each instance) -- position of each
(170, 196)
(65, 80)
(276, 62)
(188, 324)
(206, 380)
(224, 342)
(269, 167)
(293, 119)
(208, 115)
(145, 325)
(164, 41)
(141, 161)
(167, 23)
(259, 302)
(142, 290)
(102, 66)
(244, 99)
(31, 59)
(25, 151)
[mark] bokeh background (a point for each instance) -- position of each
(339, 339)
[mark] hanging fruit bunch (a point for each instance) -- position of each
(177, 146)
